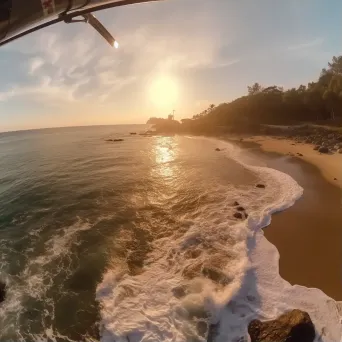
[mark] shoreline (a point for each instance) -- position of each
(307, 235)
(330, 165)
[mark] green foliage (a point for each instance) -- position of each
(254, 89)
(320, 100)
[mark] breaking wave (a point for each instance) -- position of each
(213, 274)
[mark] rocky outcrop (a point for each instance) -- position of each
(329, 137)
(323, 149)
(293, 326)
(2, 291)
(238, 216)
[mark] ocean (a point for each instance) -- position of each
(137, 240)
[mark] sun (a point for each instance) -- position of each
(163, 92)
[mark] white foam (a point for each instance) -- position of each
(143, 307)
(275, 294)
(34, 281)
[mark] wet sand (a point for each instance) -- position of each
(309, 234)
(330, 165)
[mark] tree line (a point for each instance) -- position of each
(319, 101)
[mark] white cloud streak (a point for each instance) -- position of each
(307, 45)
(35, 64)
(84, 69)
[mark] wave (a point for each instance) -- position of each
(213, 275)
(34, 282)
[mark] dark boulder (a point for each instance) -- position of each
(299, 155)
(238, 216)
(236, 203)
(261, 186)
(179, 291)
(340, 151)
(240, 209)
(133, 133)
(323, 149)
(217, 149)
(114, 140)
(316, 148)
(2, 291)
(293, 326)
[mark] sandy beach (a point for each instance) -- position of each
(307, 235)
(330, 165)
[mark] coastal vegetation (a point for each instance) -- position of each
(318, 102)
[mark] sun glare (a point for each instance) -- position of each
(163, 92)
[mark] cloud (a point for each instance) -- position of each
(45, 91)
(306, 45)
(75, 65)
(35, 64)
(68, 72)
(223, 64)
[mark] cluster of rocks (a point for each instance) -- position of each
(114, 140)
(2, 291)
(240, 213)
(148, 133)
(324, 140)
(144, 134)
(330, 143)
(292, 326)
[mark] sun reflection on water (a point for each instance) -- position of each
(165, 155)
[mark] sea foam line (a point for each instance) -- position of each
(143, 307)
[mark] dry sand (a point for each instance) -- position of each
(329, 165)
(309, 234)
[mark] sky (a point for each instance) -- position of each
(177, 55)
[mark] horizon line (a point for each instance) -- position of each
(77, 126)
